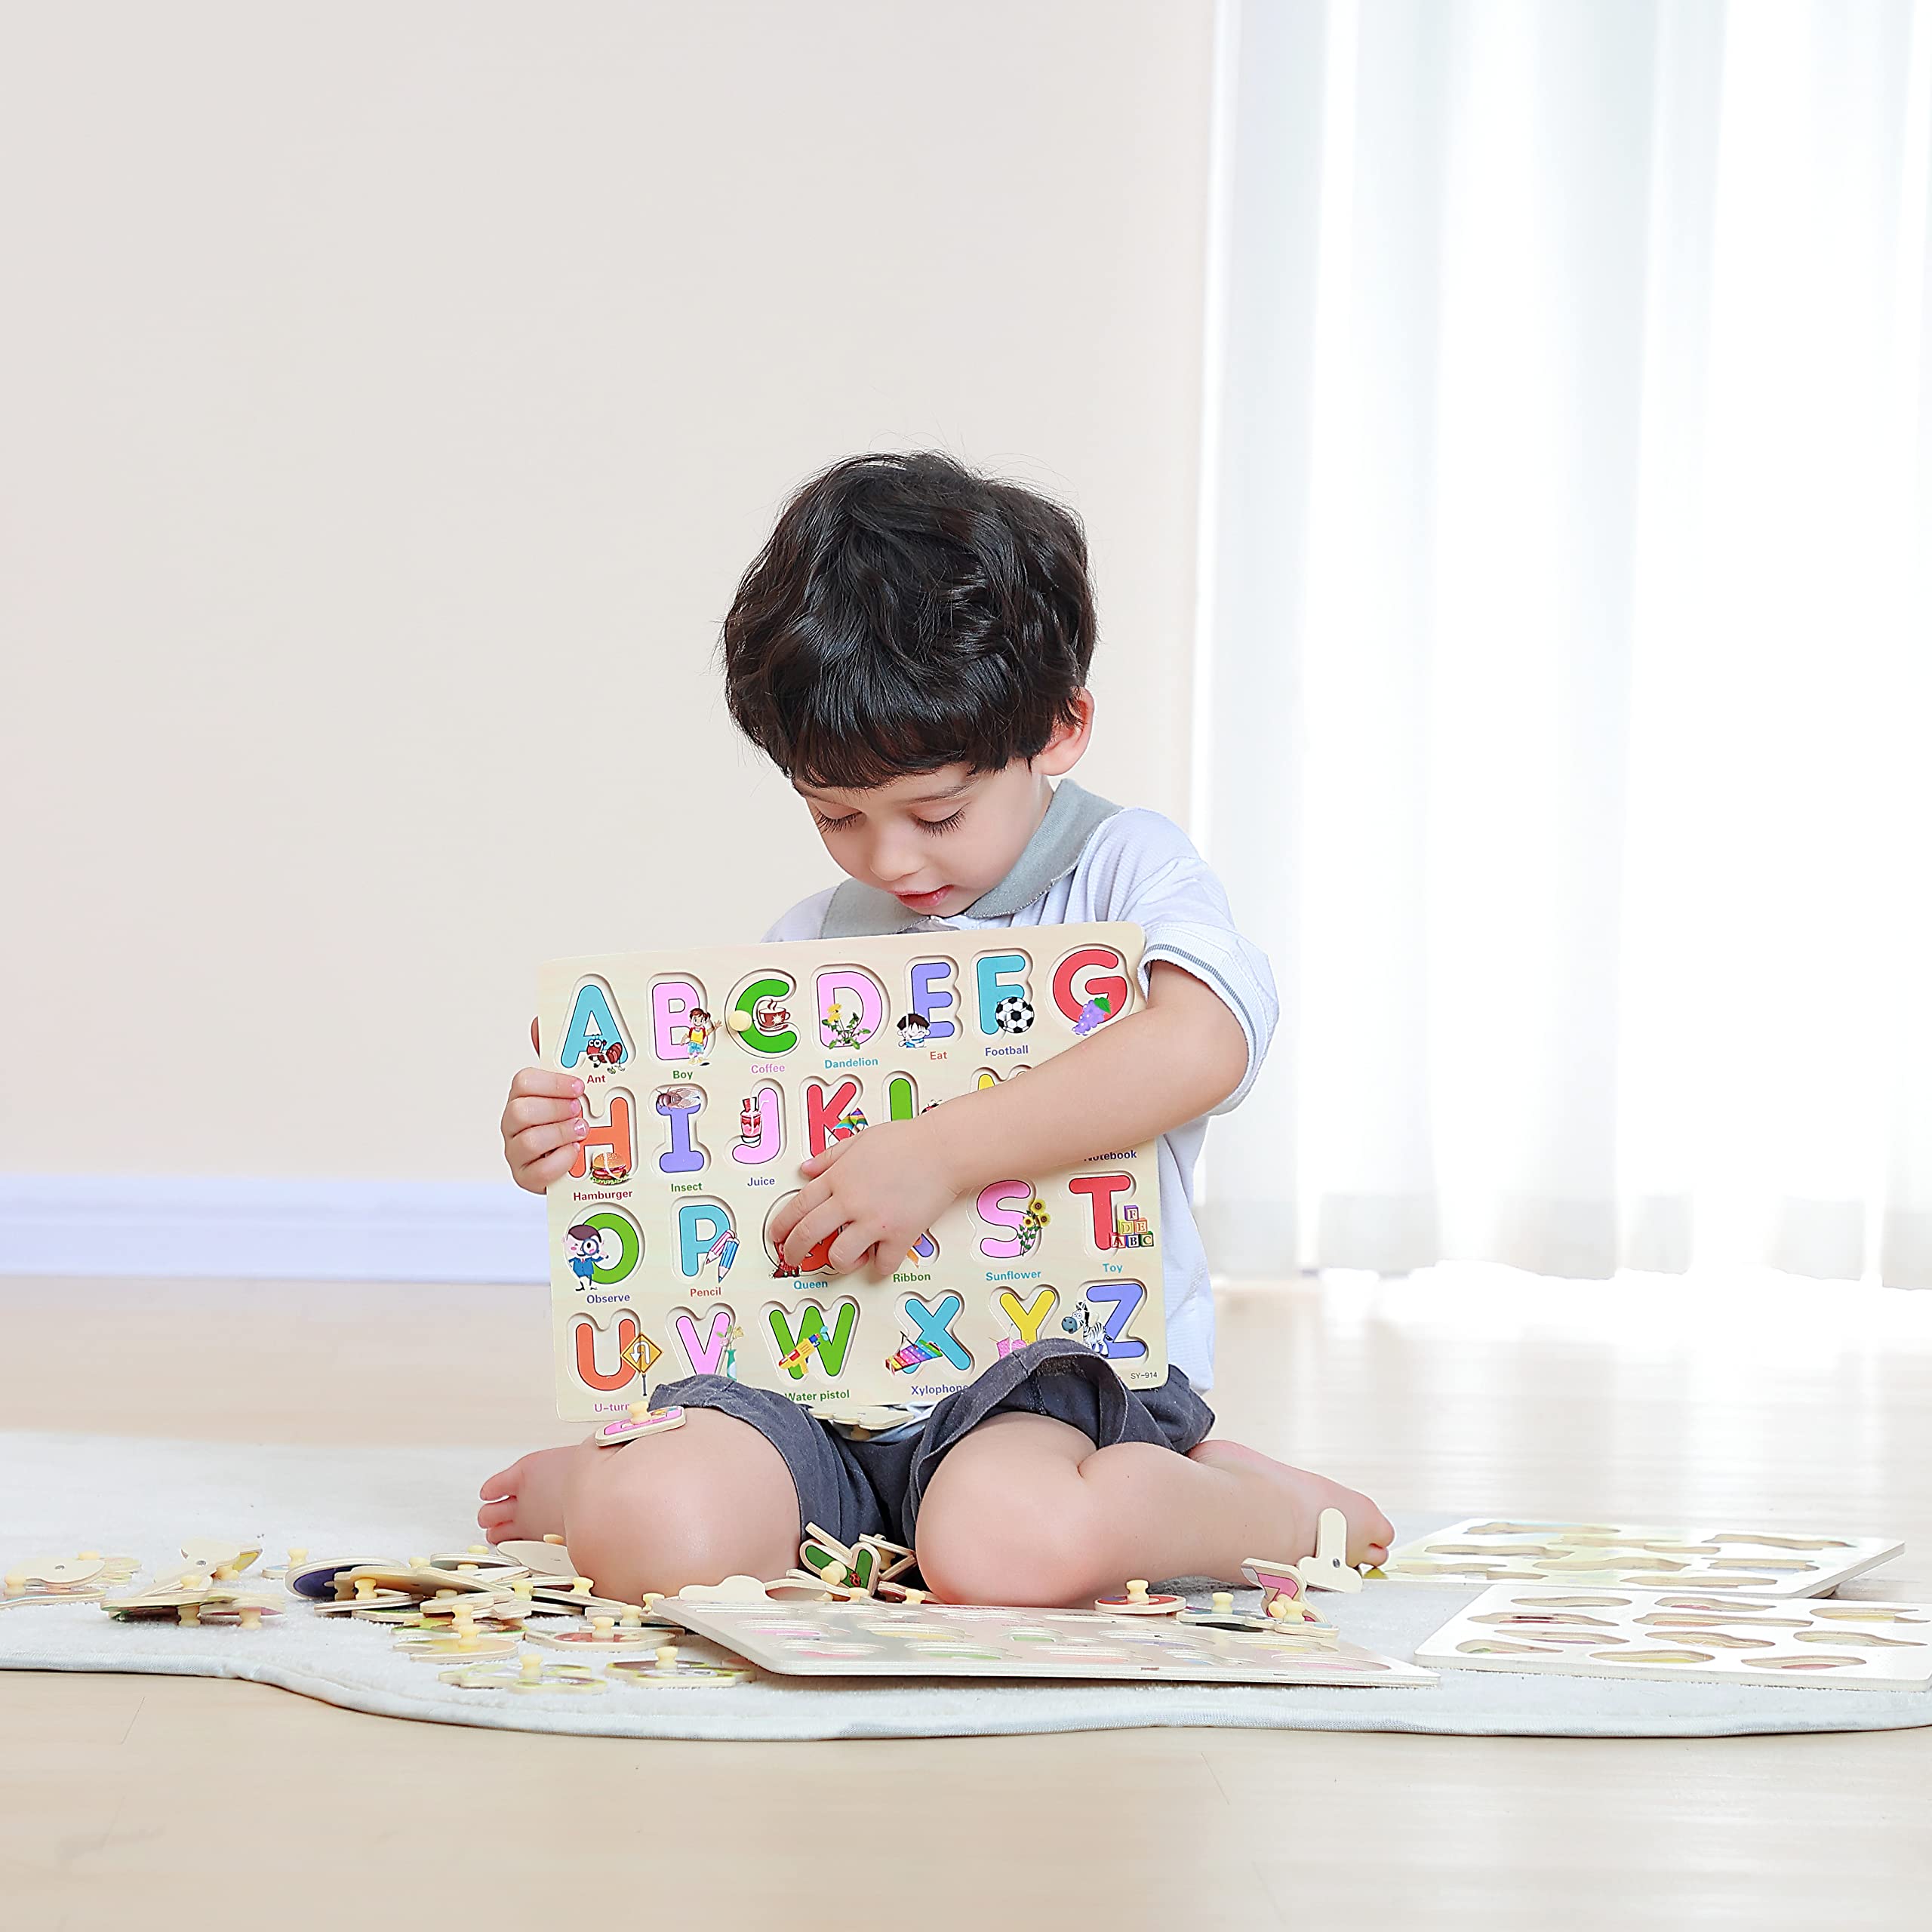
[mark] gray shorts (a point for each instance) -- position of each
(854, 1488)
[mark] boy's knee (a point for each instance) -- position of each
(977, 1542)
(661, 1513)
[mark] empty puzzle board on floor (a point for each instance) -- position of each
(1784, 1563)
(709, 1074)
(874, 1639)
(1655, 1634)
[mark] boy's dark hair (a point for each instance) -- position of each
(906, 613)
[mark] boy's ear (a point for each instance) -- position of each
(1064, 749)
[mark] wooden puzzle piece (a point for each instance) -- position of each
(1137, 1602)
(547, 1558)
(1328, 1568)
(733, 1589)
(642, 1420)
(665, 1670)
(532, 1674)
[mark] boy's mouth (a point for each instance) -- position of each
(921, 901)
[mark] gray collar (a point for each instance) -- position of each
(858, 911)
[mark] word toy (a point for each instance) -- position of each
(871, 1639)
(1779, 1564)
(1138, 1603)
(1328, 1568)
(733, 1589)
(57, 1579)
(667, 1671)
(532, 1673)
(193, 1602)
(1280, 1586)
(1763, 1639)
(547, 1558)
(1307, 1628)
(606, 1633)
(708, 1076)
(642, 1420)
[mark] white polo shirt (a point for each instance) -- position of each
(1092, 860)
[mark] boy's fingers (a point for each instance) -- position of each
(787, 1218)
(536, 1143)
(816, 1163)
(539, 1080)
(534, 1110)
(538, 1175)
(826, 1219)
(849, 1249)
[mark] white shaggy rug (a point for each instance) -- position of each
(61, 1493)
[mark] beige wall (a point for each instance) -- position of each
(389, 397)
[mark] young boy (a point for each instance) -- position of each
(910, 648)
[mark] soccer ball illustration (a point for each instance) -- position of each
(1014, 1014)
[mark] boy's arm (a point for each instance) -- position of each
(1179, 1056)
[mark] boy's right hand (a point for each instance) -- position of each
(543, 1123)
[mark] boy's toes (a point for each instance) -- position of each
(497, 1520)
(1369, 1534)
(504, 1486)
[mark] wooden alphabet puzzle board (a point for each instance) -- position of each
(709, 1075)
(1772, 1563)
(1652, 1633)
(873, 1639)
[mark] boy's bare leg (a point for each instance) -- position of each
(1027, 1511)
(693, 1505)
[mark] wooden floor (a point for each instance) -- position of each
(161, 1802)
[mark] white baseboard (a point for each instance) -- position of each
(270, 1230)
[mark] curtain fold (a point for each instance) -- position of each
(1567, 489)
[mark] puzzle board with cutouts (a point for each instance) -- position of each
(710, 1074)
(873, 1639)
(1786, 1563)
(1652, 1633)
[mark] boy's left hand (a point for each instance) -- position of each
(878, 1189)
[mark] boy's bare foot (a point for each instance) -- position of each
(1303, 1497)
(526, 1500)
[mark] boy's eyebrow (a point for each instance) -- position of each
(920, 798)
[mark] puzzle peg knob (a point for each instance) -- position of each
(1223, 1601)
(365, 1589)
(631, 1618)
(251, 1616)
(189, 1613)
(530, 1667)
(1137, 1588)
(298, 1552)
(90, 1555)
(582, 1585)
(551, 1535)
(667, 1656)
(601, 1628)
(16, 1583)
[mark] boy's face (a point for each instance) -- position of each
(939, 840)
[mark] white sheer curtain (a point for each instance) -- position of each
(1562, 720)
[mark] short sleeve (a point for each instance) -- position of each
(1141, 866)
(803, 921)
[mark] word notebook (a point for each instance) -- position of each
(709, 1075)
